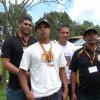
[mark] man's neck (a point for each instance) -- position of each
(25, 36)
(44, 41)
(62, 43)
(91, 47)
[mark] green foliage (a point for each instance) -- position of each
(55, 19)
(0, 67)
(9, 20)
(2, 86)
(17, 11)
(97, 27)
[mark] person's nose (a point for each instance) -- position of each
(65, 34)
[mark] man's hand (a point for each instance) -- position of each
(74, 97)
(65, 95)
(30, 96)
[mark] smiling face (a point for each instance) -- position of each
(25, 27)
(64, 34)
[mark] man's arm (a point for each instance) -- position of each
(24, 84)
(12, 68)
(64, 82)
(74, 82)
(9, 66)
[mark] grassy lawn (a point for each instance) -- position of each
(0, 67)
(2, 92)
(2, 89)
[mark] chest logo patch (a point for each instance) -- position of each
(98, 57)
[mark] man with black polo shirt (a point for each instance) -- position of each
(12, 51)
(86, 61)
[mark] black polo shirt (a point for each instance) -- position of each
(89, 80)
(13, 49)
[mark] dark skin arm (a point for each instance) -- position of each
(23, 79)
(9, 66)
(64, 83)
(12, 68)
(74, 82)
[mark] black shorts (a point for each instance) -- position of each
(86, 97)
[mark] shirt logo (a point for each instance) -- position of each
(98, 57)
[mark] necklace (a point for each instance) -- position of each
(89, 56)
(48, 54)
(25, 42)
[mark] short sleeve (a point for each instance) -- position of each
(6, 49)
(74, 62)
(62, 60)
(25, 61)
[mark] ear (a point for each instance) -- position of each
(18, 25)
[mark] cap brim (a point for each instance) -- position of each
(88, 31)
(42, 21)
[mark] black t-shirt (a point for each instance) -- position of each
(89, 79)
(13, 49)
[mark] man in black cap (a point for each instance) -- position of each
(46, 62)
(86, 61)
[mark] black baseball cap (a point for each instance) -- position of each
(89, 30)
(41, 21)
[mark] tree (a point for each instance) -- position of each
(84, 26)
(78, 29)
(55, 19)
(14, 11)
(11, 17)
(97, 27)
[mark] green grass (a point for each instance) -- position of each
(2, 87)
(0, 66)
(2, 92)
